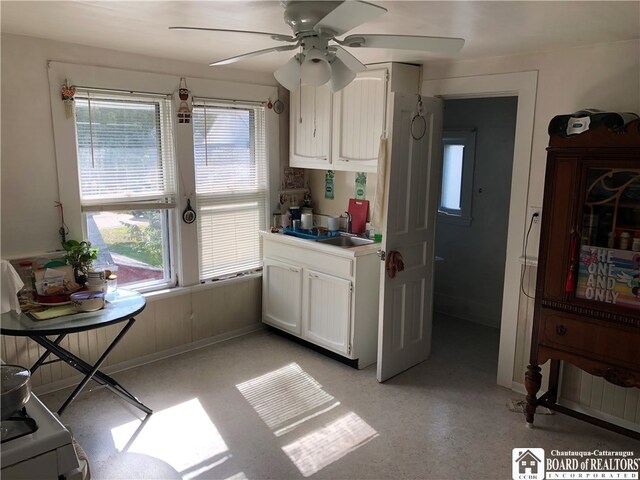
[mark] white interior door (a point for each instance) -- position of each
(413, 173)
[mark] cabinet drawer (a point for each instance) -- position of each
(590, 339)
(323, 262)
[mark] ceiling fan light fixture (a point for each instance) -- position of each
(341, 75)
(316, 70)
(289, 74)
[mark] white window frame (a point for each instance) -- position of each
(184, 241)
(164, 203)
(242, 195)
(466, 138)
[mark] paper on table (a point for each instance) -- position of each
(54, 312)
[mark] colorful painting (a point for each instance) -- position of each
(609, 275)
(293, 178)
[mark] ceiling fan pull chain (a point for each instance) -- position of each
(315, 110)
(300, 100)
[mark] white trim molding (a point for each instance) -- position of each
(523, 85)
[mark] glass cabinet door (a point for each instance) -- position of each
(609, 251)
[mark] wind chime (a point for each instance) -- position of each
(184, 112)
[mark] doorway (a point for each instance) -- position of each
(524, 86)
(473, 215)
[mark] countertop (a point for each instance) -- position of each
(361, 250)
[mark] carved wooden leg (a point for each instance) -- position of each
(532, 381)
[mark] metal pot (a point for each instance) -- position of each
(15, 389)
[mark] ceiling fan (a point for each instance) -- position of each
(322, 57)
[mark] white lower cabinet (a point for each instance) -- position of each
(323, 294)
(282, 295)
(327, 311)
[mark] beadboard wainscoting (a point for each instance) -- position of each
(170, 324)
(579, 390)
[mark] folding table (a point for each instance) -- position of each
(123, 306)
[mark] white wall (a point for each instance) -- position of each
(605, 76)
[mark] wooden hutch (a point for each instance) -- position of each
(587, 304)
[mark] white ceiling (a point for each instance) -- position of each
(490, 28)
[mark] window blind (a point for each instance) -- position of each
(125, 149)
(231, 185)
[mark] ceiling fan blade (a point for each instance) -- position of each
(274, 36)
(348, 15)
(351, 62)
(244, 56)
(405, 42)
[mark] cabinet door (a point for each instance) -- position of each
(359, 119)
(282, 295)
(310, 131)
(327, 311)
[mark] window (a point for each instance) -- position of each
(457, 176)
(126, 170)
(231, 185)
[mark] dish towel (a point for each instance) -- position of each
(11, 285)
(394, 263)
(377, 214)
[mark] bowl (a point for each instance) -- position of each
(15, 389)
(87, 301)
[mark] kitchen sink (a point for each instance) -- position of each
(346, 241)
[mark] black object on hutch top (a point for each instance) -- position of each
(587, 303)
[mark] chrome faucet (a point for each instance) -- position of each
(349, 220)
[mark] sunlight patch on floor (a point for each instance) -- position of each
(182, 436)
(312, 452)
(284, 394)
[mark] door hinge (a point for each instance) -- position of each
(351, 287)
(349, 349)
(382, 254)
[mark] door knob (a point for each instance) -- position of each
(381, 254)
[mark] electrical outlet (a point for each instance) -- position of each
(532, 214)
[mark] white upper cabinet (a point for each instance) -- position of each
(341, 131)
(359, 119)
(310, 127)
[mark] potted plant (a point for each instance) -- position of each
(80, 255)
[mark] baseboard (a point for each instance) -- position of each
(605, 417)
(518, 388)
(152, 357)
(465, 309)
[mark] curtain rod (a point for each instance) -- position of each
(132, 92)
(229, 100)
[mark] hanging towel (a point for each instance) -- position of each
(11, 285)
(377, 215)
(394, 263)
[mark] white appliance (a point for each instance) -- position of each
(46, 453)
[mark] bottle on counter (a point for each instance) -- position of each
(625, 237)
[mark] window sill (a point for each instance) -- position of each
(177, 291)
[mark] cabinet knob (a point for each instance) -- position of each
(561, 330)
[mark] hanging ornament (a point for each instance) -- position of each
(68, 91)
(184, 112)
(188, 215)
(278, 106)
(269, 104)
